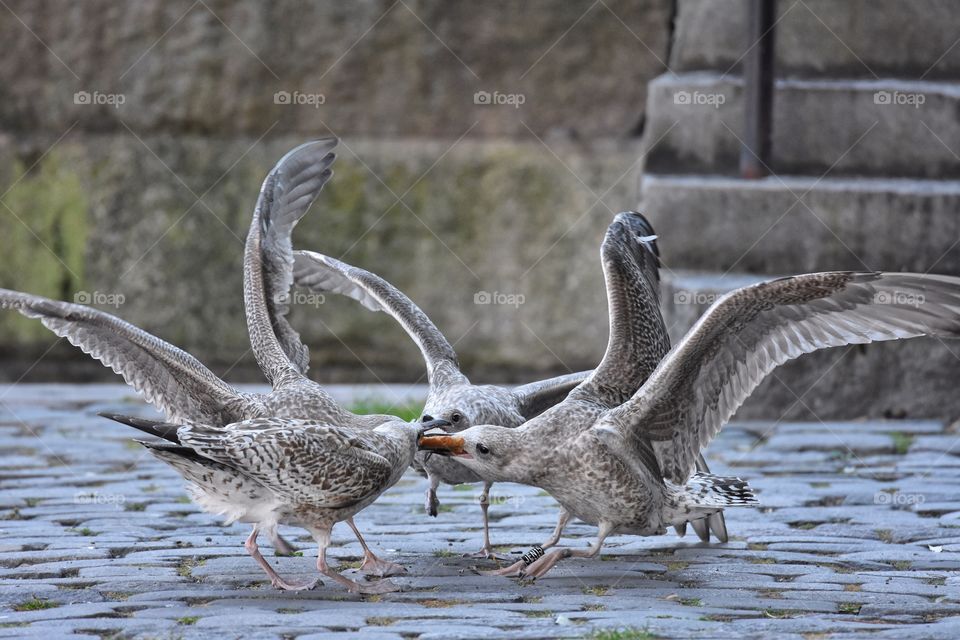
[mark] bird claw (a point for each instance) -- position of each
(376, 588)
(283, 585)
(485, 553)
(381, 568)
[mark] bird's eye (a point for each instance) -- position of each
(482, 449)
(455, 418)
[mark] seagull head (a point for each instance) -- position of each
(493, 452)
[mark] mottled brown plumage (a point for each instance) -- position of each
(628, 468)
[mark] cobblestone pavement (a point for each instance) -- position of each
(857, 534)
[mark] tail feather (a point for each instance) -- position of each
(710, 491)
(156, 428)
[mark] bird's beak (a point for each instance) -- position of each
(433, 424)
(444, 445)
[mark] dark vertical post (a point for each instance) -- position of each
(758, 89)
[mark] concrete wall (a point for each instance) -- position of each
(104, 197)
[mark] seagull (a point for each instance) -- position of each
(267, 471)
(629, 469)
(178, 384)
(452, 396)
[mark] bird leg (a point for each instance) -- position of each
(486, 551)
(372, 565)
(539, 568)
(517, 568)
(280, 545)
(432, 504)
(323, 541)
(251, 546)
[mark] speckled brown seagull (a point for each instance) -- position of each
(452, 396)
(178, 384)
(630, 468)
(268, 471)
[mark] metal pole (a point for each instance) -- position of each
(758, 90)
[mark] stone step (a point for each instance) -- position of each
(844, 127)
(914, 378)
(866, 38)
(800, 224)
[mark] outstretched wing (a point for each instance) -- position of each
(638, 337)
(536, 397)
(322, 273)
(286, 194)
(309, 464)
(750, 331)
(169, 378)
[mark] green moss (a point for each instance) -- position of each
(369, 406)
(44, 216)
(852, 608)
(135, 506)
(885, 535)
(380, 621)
(901, 442)
(546, 613)
(35, 604)
(188, 620)
(597, 590)
(691, 602)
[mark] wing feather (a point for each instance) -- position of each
(322, 273)
(286, 195)
(750, 331)
(306, 463)
(169, 378)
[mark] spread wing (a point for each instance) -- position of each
(638, 337)
(536, 397)
(322, 273)
(169, 378)
(307, 463)
(286, 194)
(750, 331)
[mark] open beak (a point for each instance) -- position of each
(434, 424)
(444, 445)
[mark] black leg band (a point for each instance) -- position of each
(533, 555)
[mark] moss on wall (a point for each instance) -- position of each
(43, 240)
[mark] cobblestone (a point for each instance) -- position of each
(858, 534)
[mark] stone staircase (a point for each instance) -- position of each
(865, 175)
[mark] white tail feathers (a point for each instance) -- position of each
(708, 490)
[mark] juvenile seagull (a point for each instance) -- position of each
(628, 470)
(453, 398)
(267, 471)
(181, 387)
